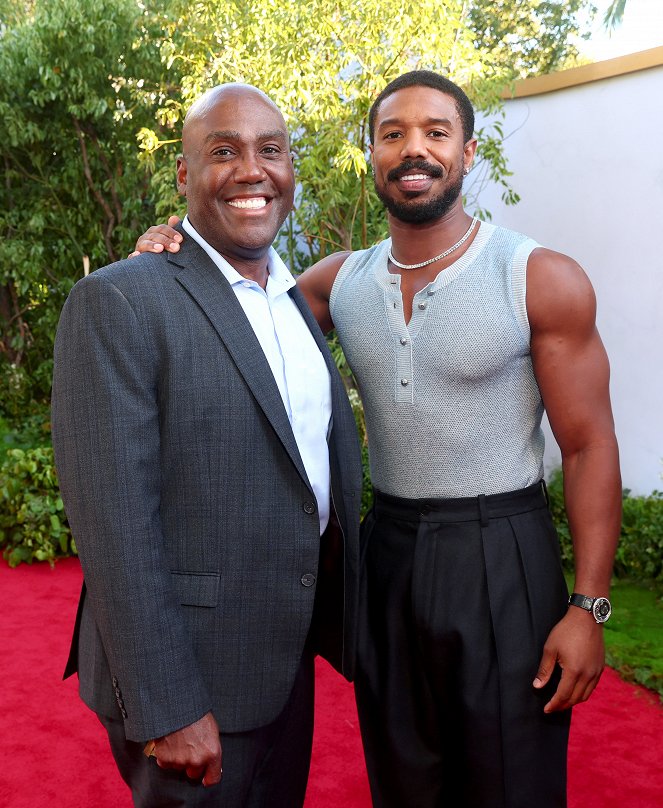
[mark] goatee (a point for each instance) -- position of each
(415, 212)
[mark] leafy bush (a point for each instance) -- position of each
(640, 550)
(558, 511)
(33, 430)
(32, 520)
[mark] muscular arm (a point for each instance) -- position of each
(572, 371)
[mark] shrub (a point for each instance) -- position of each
(32, 520)
(640, 550)
(556, 500)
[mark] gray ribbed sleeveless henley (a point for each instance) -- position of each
(451, 403)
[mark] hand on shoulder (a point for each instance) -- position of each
(158, 238)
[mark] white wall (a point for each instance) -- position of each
(588, 165)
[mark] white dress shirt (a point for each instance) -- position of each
(295, 360)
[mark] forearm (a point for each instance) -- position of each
(592, 492)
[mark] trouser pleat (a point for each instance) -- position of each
(454, 614)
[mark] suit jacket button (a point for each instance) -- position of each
(114, 680)
(309, 507)
(308, 579)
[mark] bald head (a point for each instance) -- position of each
(234, 93)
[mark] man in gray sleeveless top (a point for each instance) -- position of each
(459, 334)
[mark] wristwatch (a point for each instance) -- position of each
(601, 608)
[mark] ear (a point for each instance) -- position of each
(469, 150)
(372, 150)
(181, 174)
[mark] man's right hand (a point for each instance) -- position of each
(158, 238)
(195, 749)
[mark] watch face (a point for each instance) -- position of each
(601, 609)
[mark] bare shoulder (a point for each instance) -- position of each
(316, 285)
(559, 293)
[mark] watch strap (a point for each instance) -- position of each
(584, 601)
(600, 608)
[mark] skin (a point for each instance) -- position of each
(569, 360)
(235, 153)
(236, 174)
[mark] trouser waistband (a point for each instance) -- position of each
(462, 509)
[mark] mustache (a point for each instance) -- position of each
(414, 166)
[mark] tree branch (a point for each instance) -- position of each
(110, 217)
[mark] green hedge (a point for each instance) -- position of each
(640, 550)
(33, 525)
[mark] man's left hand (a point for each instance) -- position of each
(576, 645)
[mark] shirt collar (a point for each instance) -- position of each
(279, 274)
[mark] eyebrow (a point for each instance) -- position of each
(395, 121)
(230, 134)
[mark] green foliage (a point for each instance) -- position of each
(324, 62)
(92, 94)
(614, 14)
(531, 38)
(634, 633)
(556, 501)
(77, 80)
(35, 431)
(640, 550)
(32, 521)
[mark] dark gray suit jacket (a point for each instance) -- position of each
(195, 523)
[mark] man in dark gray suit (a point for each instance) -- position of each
(213, 498)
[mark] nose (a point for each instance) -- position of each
(249, 169)
(414, 145)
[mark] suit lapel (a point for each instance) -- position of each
(206, 284)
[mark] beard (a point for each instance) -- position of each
(414, 212)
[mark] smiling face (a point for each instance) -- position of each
(236, 171)
(419, 154)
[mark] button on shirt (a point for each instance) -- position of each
(295, 360)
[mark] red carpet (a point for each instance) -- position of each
(53, 752)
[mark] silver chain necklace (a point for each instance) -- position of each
(437, 257)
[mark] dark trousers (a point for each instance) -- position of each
(458, 597)
(265, 768)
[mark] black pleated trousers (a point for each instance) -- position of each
(458, 597)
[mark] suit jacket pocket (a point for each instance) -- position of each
(197, 588)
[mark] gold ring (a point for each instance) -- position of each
(148, 751)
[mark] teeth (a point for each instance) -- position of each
(257, 202)
(410, 177)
